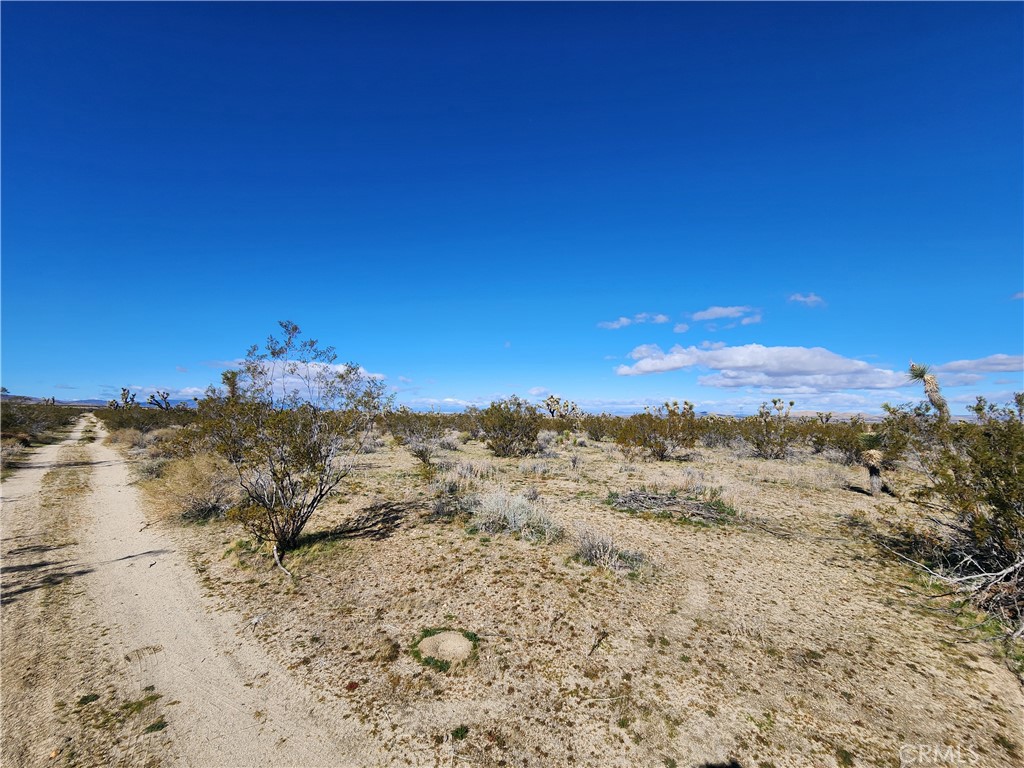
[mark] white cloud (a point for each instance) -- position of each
(638, 319)
(537, 391)
(622, 322)
(1018, 295)
(751, 320)
(680, 328)
(404, 380)
(991, 364)
(810, 299)
(716, 313)
(778, 369)
(712, 344)
(181, 369)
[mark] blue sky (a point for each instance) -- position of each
(616, 203)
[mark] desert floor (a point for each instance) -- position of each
(784, 637)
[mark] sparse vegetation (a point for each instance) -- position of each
(970, 486)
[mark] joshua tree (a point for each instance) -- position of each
(160, 400)
(923, 374)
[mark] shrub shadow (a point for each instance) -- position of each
(375, 522)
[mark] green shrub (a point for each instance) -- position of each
(658, 433)
(972, 483)
(600, 426)
(422, 434)
(28, 421)
(511, 427)
(772, 432)
(144, 419)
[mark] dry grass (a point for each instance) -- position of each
(194, 488)
(782, 638)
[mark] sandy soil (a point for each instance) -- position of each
(111, 653)
(784, 639)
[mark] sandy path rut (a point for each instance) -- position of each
(225, 702)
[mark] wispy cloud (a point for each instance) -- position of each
(1018, 295)
(991, 364)
(537, 391)
(777, 369)
(181, 369)
(809, 300)
(637, 319)
(680, 328)
(63, 386)
(717, 313)
(739, 314)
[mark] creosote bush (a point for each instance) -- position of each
(511, 427)
(772, 432)
(289, 423)
(658, 433)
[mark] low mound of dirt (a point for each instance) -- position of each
(452, 647)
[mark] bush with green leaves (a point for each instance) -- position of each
(658, 433)
(772, 432)
(971, 486)
(144, 419)
(27, 421)
(511, 426)
(290, 423)
(422, 434)
(599, 426)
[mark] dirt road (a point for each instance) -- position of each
(113, 655)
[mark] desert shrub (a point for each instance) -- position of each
(599, 426)
(450, 440)
(719, 431)
(601, 551)
(451, 495)
(475, 470)
(535, 468)
(502, 512)
(658, 433)
(128, 437)
(198, 487)
(546, 439)
(290, 423)
(27, 421)
(144, 419)
(511, 427)
(9, 449)
(772, 432)
(420, 433)
(972, 483)
(164, 443)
